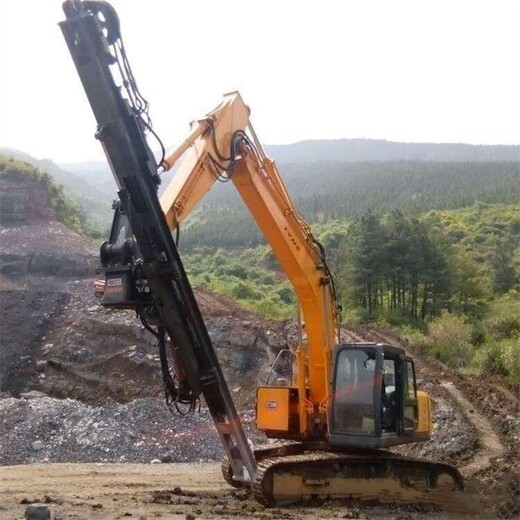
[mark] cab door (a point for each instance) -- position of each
(409, 397)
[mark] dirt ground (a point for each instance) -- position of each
(166, 491)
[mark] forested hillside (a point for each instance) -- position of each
(452, 274)
(333, 190)
(408, 268)
(328, 179)
(85, 189)
(403, 268)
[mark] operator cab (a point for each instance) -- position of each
(374, 400)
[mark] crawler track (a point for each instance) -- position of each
(282, 449)
(288, 475)
(365, 476)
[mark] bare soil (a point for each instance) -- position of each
(170, 491)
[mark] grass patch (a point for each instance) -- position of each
(244, 276)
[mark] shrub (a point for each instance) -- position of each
(503, 319)
(478, 335)
(286, 294)
(394, 318)
(266, 280)
(271, 309)
(352, 317)
(415, 337)
(449, 336)
(242, 291)
(236, 270)
(382, 323)
(502, 357)
(511, 357)
(492, 360)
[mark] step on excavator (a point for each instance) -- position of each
(334, 407)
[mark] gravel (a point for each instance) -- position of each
(45, 429)
(453, 438)
(44, 237)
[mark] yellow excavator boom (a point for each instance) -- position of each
(224, 143)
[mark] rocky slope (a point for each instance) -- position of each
(31, 238)
(75, 348)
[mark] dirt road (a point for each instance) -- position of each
(166, 491)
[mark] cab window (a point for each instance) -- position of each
(410, 390)
(353, 400)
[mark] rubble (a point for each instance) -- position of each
(25, 317)
(44, 238)
(37, 445)
(46, 429)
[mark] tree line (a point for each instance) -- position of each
(402, 265)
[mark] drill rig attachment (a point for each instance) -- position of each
(146, 274)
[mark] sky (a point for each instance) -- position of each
(402, 70)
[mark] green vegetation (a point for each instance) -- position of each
(448, 279)
(66, 210)
(491, 345)
(390, 266)
(246, 276)
(328, 190)
(406, 268)
(92, 191)
(486, 236)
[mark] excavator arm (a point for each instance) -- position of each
(224, 145)
(335, 402)
(204, 156)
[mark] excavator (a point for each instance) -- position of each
(335, 407)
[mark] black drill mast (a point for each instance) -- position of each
(147, 274)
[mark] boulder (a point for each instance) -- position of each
(38, 512)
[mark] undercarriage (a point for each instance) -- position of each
(293, 473)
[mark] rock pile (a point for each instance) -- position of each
(45, 429)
